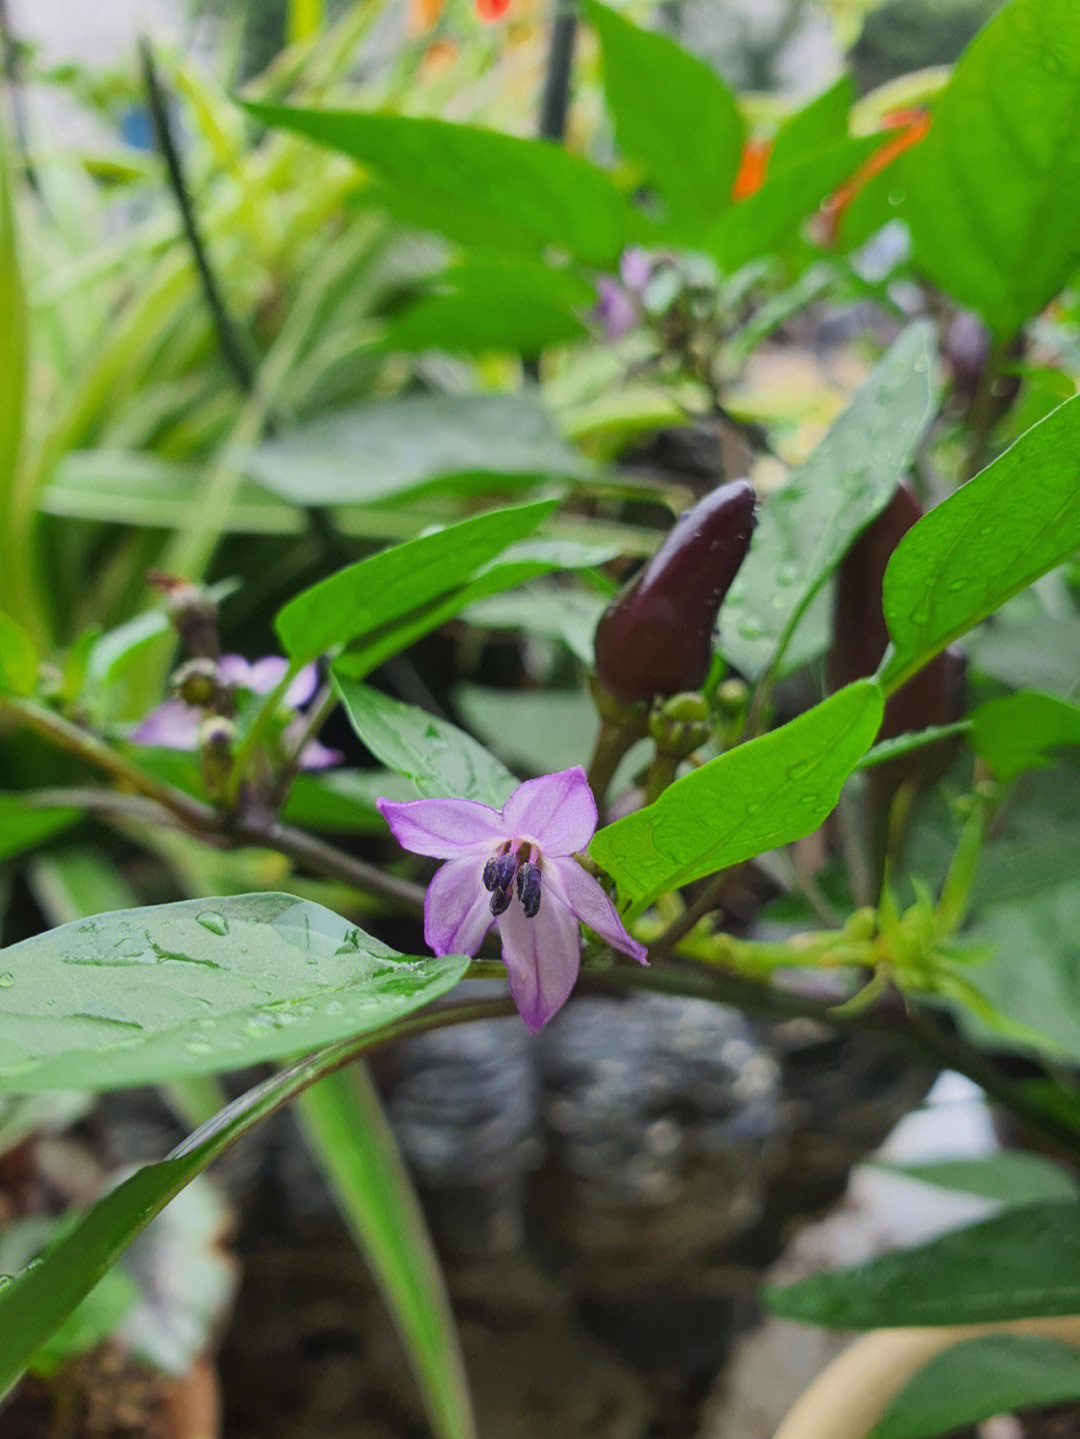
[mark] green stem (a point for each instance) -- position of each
(981, 415)
(613, 741)
(201, 819)
(662, 771)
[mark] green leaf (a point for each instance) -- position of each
(13, 369)
(379, 451)
(478, 186)
(518, 308)
(816, 125)
(1016, 732)
(144, 995)
(996, 1374)
(790, 194)
(806, 527)
(22, 828)
(993, 191)
(127, 488)
(904, 744)
(760, 795)
(673, 116)
(18, 658)
(1044, 929)
(397, 582)
(440, 759)
(569, 615)
(347, 1132)
(1022, 1264)
(518, 564)
(538, 731)
(36, 1301)
(1010, 1177)
(1017, 519)
(344, 799)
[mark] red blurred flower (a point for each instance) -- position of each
(752, 168)
(492, 10)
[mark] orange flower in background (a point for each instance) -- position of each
(426, 12)
(910, 127)
(752, 168)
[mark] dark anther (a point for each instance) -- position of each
(500, 899)
(528, 888)
(498, 877)
(506, 866)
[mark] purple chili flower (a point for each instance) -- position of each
(178, 725)
(513, 867)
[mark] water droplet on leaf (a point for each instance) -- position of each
(214, 922)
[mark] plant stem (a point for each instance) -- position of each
(200, 819)
(981, 414)
(555, 103)
(322, 708)
(613, 741)
(232, 346)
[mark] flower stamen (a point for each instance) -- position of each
(528, 888)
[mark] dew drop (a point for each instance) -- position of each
(800, 768)
(7, 979)
(214, 922)
(334, 1007)
(749, 628)
(787, 574)
(5, 1280)
(199, 1046)
(958, 585)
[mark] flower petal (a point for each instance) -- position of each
(172, 725)
(457, 911)
(302, 686)
(542, 957)
(316, 755)
(565, 879)
(444, 828)
(557, 811)
(266, 674)
(234, 670)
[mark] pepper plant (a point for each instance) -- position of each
(567, 307)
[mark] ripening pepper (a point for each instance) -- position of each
(934, 696)
(655, 638)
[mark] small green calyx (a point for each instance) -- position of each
(680, 725)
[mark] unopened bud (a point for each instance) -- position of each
(193, 613)
(655, 638)
(680, 725)
(197, 682)
(216, 739)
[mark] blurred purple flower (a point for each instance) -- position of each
(177, 724)
(618, 307)
(513, 867)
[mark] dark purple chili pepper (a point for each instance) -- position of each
(656, 636)
(935, 695)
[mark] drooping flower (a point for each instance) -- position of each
(514, 868)
(176, 724)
